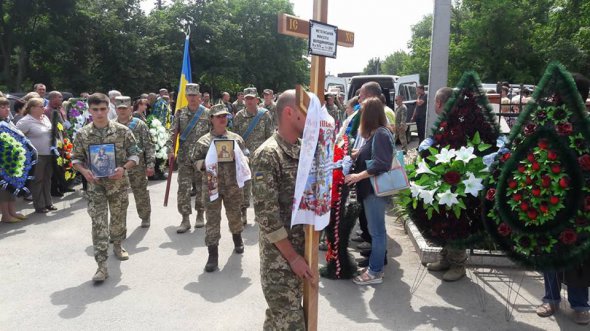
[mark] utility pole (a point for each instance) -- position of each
(439, 56)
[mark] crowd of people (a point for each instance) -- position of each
(227, 153)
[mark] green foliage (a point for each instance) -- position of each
(506, 40)
(373, 67)
(97, 45)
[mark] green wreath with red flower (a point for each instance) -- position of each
(538, 196)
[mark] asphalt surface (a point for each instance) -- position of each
(46, 266)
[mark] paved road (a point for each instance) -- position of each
(46, 265)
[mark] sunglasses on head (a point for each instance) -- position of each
(220, 116)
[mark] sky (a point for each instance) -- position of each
(381, 27)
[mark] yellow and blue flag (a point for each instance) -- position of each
(185, 77)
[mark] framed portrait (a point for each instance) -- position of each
(102, 159)
(225, 150)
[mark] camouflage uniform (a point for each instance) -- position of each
(187, 171)
(161, 110)
(335, 112)
(107, 193)
(147, 159)
(275, 170)
(237, 106)
(272, 109)
(228, 189)
(262, 131)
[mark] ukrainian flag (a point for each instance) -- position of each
(185, 78)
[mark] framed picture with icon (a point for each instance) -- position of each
(102, 160)
(225, 150)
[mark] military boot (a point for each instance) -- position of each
(200, 221)
(145, 223)
(213, 257)
(440, 265)
(238, 243)
(120, 252)
(245, 216)
(101, 273)
(185, 225)
(455, 273)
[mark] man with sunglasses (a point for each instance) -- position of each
(220, 182)
(191, 123)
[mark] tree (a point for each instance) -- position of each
(394, 63)
(373, 67)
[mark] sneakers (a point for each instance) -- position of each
(184, 226)
(12, 220)
(454, 273)
(145, 223)
(101, 273)
(366, 278)
(441, 265)
(364, 246)
(120, 252)
(580, 317)
(200, 220)
(547, 309)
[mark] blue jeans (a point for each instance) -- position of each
(374, 207)
(577, 296)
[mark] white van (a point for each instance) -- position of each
(392, 86)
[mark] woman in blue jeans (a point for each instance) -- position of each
(379, 149)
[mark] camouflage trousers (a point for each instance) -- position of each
(400, 133)
(456, 257)
(104, 196)
(139, 185)
(232, 200)
(282, 289)
(186, 174)
(247, 194)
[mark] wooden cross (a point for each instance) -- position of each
(293, 26)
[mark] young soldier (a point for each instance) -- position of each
(106, 193)
(147, 158)
(282, 266)
(191, 123)
(270, 105)
(227, 186)
(254, 125)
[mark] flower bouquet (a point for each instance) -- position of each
(64, 159)
(159, 136)
(78, 115)
(17, 156)
(447, 179)
(538, 197)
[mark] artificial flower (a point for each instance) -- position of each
(473, 185)
(423, 168)
(465, 154)
(427, 195)
(447, 198)
(445, 156)
(415, 189)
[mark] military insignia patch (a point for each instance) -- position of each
(259, 175)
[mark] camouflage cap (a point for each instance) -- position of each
(122, 101)
(267, 91)
(192, 89)
(218, 109)
(251, 92)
